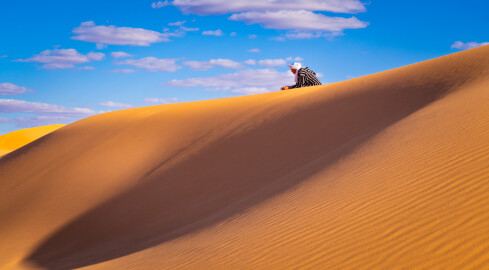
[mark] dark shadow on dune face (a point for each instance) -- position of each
(205, 188)
(21, 150)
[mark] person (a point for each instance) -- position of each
(303, 77)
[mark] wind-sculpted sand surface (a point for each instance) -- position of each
(386, 171)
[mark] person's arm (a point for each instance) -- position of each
(301, 80)
(293, 86)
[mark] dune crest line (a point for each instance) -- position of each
(388, 170)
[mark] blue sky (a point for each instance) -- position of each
(61, 61)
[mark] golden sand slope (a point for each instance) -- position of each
(389, 170)
(13, 140)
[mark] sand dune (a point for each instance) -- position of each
(385, 171)
(13, 140)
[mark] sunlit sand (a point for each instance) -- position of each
(19, 138)
(386, 171)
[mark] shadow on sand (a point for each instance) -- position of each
(232, 174)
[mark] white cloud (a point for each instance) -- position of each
(205, 65)
(232, 34)
(95, 56)
(46, 113)
(469, 45)
(87, 23)
(299, 20)
(62, 58)
(295, 59)
(39, 120)
(252, 36)
(161, 100)
(22, 106)
(3, 56)
(159, 4)
(86, 68)
(272, 62)
(308, 34)
(211, 7)
(217, 32)
(153, 64)
(188, 29)
(269, 79)
(120, 55)
(102, 34)
(250, 90)
(250, 62)
(179, 23)
(299, 17)
(12, 89)
(123, 71)
(255, 50)
(198, 65)
(177, 33)
(114, 104)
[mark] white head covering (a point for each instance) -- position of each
(295, 66)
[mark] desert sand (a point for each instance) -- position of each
(385, 171)
(13, 140)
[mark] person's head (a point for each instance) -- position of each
(294, 67)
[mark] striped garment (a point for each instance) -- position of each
(305, 77)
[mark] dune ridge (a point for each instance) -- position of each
(16, 139)
(387, 170)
